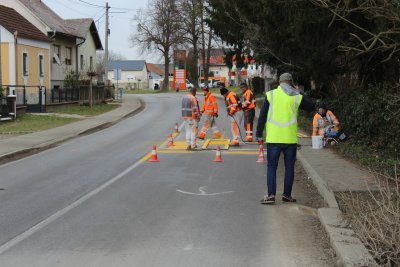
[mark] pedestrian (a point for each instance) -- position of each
(232, 102)
(191, 117)
(210, 109)
(279, 115)
(249, 110)
(177, 87)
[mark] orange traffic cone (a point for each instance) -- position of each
(154, 155)
(218, 157)
(261, 158)
(176, 128)
(170, 141)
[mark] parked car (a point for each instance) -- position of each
(189, 84)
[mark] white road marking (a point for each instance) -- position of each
(203, 193)
(19, 238)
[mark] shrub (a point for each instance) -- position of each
(375, 218)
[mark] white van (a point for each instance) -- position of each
(189, 84)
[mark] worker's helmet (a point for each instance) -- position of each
(205, 88)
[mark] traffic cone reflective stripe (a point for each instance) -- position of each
(261, 158)
(176, 128)
(154, 157)
(170, 141)
(218, 157)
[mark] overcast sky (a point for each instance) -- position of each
(120, 24)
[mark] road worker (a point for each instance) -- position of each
(325, 121)
(232, 102)
(279, 116)
(210, 109)
(191, 117)
(249, 110)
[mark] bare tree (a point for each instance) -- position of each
(100, 67)
(159, 28)
(191, 11)
(381, 39)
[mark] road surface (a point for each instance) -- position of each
(96, 201)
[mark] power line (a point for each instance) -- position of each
(90, 4)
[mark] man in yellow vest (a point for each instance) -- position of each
(279, 115)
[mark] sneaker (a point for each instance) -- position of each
(268, 199)
(193, 147)
(189, 148)
(288, 199)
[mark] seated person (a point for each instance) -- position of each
(325, 123)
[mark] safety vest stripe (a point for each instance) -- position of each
(271, 109)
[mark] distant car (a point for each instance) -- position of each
(218, 84)
(189, 84)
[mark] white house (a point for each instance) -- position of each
(134, 73)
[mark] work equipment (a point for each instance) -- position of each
(154, 157)
(218, 157)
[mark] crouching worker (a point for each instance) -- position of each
(326, 124)
(232, 102)
(191, 117)
(210, 109)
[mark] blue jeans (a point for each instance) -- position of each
(273, 153)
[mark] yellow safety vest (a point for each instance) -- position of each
(281, 125)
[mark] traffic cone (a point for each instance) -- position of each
(170, 141)
(176, 128)
(154, 155)
(218, 157)
(261, 158)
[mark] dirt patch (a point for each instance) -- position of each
(302, 180)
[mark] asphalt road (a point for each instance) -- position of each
(94, 201)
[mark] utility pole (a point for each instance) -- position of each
(106, 45)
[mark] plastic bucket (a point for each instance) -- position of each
(317, 142)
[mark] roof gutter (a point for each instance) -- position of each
(77, 45)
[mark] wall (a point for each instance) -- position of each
(87, 49)
(7, 57)
(59, 71)
(33, 49)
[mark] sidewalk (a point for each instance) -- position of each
(12, 146)
(329, 172)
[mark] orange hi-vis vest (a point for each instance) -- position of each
(319, 123)
(210, 106)
(248, 101)
(231, 103)
(190, 108)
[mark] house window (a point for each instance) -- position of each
(41, 65)
(81, 62)
(25, 64)
(91, 63)
(68, 55)
(56, 54)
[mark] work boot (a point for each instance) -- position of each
(217, 135)
(202, 135)
(288, 199)
(234, 143)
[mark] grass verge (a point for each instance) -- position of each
(146, 91)
(87, 111)
(28, 123)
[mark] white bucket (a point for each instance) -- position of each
(317, 142)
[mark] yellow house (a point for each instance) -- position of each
(24, 51)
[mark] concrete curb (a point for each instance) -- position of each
(348, 248)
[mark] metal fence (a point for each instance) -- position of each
(35, 98)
